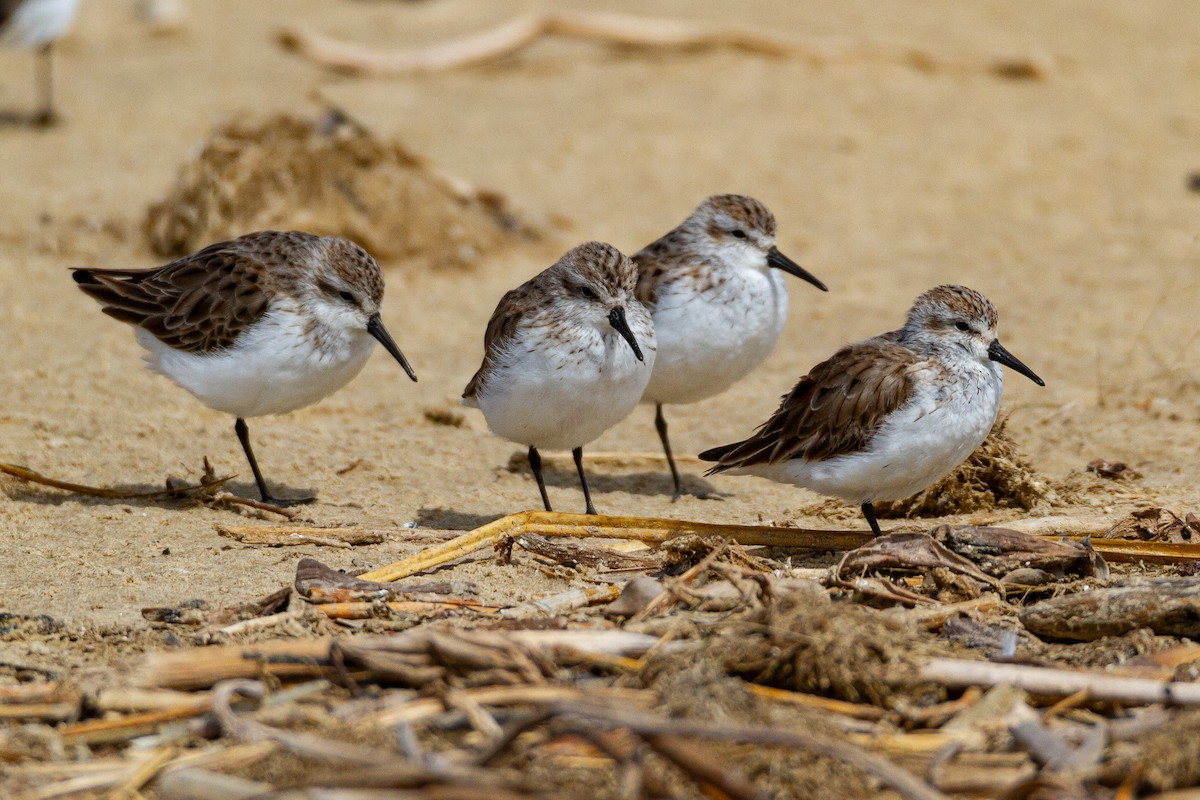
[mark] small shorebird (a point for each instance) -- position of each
(38, 24)
(556, 373)
(264, 324)
(715, 289)
(889, 416)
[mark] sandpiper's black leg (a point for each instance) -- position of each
(535, 463)
(660, 424)
(869, 512)
(243, 434)
(587, 496)
(45, 115)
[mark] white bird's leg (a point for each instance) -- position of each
(587, 496)
(868, 510)
(243, 434)
(45, 78)
(660, 424)
(535, 463)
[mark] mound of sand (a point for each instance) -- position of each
(331, 177)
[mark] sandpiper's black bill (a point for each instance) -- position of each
(778, 260)
(616, 318)
(376, 329)
(997, 353)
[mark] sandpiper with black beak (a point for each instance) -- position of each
(887, 417)
(567, 355)
(716, 290)
(264, 324)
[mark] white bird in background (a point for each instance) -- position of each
(38, 24)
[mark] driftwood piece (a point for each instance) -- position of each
(1157, 525)
(657, 531)
(906, 551)
(1052, 682)
(999, 551)
(209, 490)
(575, 555)
(1167, 606)
(425, 609)
(198, 612)
(262, 536)
(626, 30)
(318, 583)
(292, 659)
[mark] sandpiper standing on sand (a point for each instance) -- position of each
(889, 416)
(264, 324)
(567, 355)
(715, 289)
(38, 24)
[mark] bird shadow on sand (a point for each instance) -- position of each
(24, 485)
(447, 519)
(651, 483)
(25, 119)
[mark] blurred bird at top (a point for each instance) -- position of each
(38, 24)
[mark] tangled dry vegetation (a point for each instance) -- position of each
(331, 177)
(968, 661)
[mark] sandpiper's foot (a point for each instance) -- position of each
(45, 118)
(700, 494)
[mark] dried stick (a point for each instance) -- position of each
(657, 531)
(208, 490)
(646, 725)
(202, 667)
(855, 710)
(687, 577)
(623, 30)
(108, 731)
(290, 535)
(144, 773)
(1061, 682)
(705, 767)
(647, 529)
(302, 744)
(413, 711)
(206, 486)
(366, 610)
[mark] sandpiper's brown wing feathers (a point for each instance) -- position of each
(201, 302)
(500, 329)
(833, 410)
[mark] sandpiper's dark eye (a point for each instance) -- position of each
(348, 298)
(587, 292)
(738, 233)
(962, 326)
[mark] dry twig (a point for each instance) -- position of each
(624, 30)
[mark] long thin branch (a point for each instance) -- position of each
(624, 30)
(1061, 682)
(650, 725)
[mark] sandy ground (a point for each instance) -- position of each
(1063, 199)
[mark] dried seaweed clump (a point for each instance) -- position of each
(333, 178)
(1171, 755)
(996, 476)
(805, 642)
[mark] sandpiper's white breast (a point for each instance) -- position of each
(951, 412)
(274, 367)
(560, 388)
(38, 22)
(713, 329)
